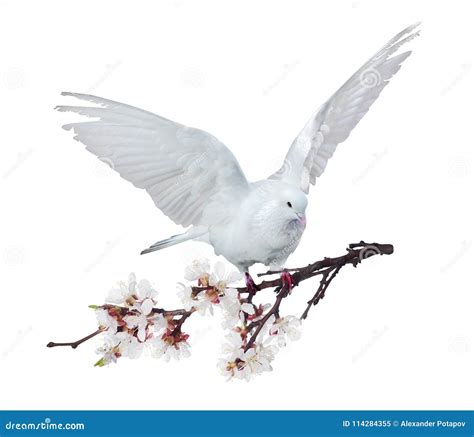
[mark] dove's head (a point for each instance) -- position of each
(292, 204)
(280, 210)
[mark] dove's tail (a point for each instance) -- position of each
(190, 234)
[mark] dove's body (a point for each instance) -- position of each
(264, 229)
(195, 180)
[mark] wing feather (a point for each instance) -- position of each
(331, 125)
(185, 170)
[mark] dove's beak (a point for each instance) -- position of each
(301, 218)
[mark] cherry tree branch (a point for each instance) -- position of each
(257, 327)
(327, 268)
(74, 344)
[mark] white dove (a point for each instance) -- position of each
(196, 181)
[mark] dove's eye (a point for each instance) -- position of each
(289, 204)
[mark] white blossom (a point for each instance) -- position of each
(185, 293)
(146, 291)
(133, 326)
(244, 365)
(159, 324)
(286, 328)
(137, 322)
(198, 269)
(167, 351)
(119, 344)
(220, 279)
(233, 345)
(130, 346)
(230, 305)
(201, 302)
(109, 350)
(124, 291)
(128, 294)
(105, 320)
(248, 308)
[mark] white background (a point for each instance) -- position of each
(397, 332)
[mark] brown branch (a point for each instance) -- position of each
(273, 311)
(172, 312)
(323, 285)
(178, 326)
(78, 342)
(328, 268)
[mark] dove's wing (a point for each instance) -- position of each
(332, 124)
(183, 169)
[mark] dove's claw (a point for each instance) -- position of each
(287, 280)
(249, 282)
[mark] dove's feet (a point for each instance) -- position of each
(249, 282)
(287, 280)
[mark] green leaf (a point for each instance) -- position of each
(100, 363)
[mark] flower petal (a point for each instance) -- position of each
(146, 306)
(248, 308)
(219, 269)
(234, 277)
(132, 282)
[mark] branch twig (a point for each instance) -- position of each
(74, 344)
(327, 268)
